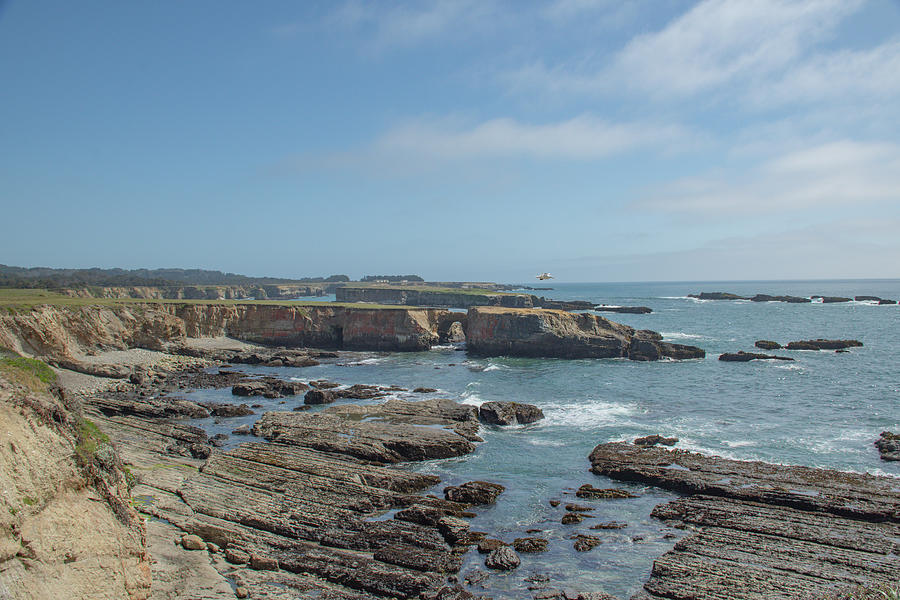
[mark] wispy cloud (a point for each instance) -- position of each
(838, 174)
(585, 137)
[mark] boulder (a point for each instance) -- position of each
(227, 410)
(572, 518)
(263, 563)
(319, 396)
(822, 344)
(583, 542)
(509, 413)
(453, 529)
(488, 545)
(503, 558)
(474, 492)
(888, 445)
(424, 390)
(192, 542)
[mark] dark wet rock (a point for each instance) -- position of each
(474, 492)
(241, 430)
(424, 390)
(610, 525)
(488, 545)
(748, 356)
(633, 310)
(571, 507)
(227, 410)
(789, 299)
(717, 296)
(652, 440)
(832, 299)
(449, 592)
(589, 491)
(462, 419)
(509, 413)
(584, 543)
(475, 577)
(762, 530)
(530, 545)
(503, 558)
(218, 440)
(820, 344)
(269, 387)
(160, 407)
(322, 384)
(554, 503)
(867, 298)
(319, 396)
(888, 445)
(886, 301)
(767, 345)
(453, 529)
(572, 518)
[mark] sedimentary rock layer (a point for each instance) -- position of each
(553, 333)
(763, 530)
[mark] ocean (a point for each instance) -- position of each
(825, 409)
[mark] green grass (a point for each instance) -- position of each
(432, 289)
(90, 440)
(29, 372)
(28, 501)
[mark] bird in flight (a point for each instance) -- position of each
(544, 276)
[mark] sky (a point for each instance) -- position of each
(599, 140)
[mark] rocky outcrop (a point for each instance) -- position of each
(559, 334)
(474, 492)
(509, 413)
(888, 445)
(767, 345)
(632, 310)
(742, 356)
(67, 529)
(830, 299)
(820, 344)
(652, 440)
(762, 530)
(788, 299)
(717, 296)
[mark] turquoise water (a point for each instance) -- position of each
(825, 410)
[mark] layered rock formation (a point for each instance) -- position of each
(553, 333)
(762, 530)
(204, 292)
(411, 296)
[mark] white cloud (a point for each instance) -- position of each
(837, 174)
(581, 138)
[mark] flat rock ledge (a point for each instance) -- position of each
(762, 530)
(302, 516)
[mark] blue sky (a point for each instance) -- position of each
(471, 139)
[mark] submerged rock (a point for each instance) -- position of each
(820, 344)
(530, 544)
(474, 492)
(748, 356)
(589, 491)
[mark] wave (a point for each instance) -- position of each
(587, 416)
(680, 335)
(362, 362)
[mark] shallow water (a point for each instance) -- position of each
(824, 410)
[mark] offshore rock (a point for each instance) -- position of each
(632, 310)
(888, 445)
(496, 331)
(652, 440)
(789, 299)
(767, 345)
(589, 491)
(717, 296)
(509, 413)
(748, 356)
(530, 545)
(820, 344)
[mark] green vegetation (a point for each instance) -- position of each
(434, 289)
(28, 501)
(90, 441)
(28, 372)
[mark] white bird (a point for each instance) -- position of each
(544, 276)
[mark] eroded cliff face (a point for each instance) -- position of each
(203, 292)
(67, 529)
(66, 334)
(443, 298)
(494, 331)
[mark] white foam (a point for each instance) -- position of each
(365, 361)
(739, 443)
(539, 442)
(443, 347)
(586, 416)
(680, 335)
(492, 368)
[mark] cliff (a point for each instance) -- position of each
(67, 333)
(411, 296)
(495, 331)
(67, 529)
